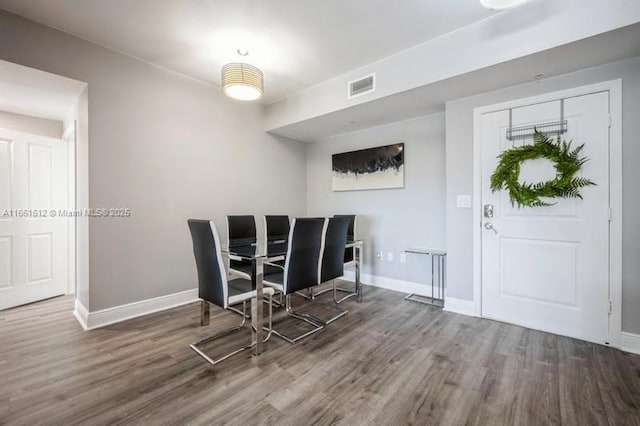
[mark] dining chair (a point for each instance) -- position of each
(241, 231)
(349, 253)
(349, 257)
(213, 286)
(333, 260)
(276, 228)
(302, 268)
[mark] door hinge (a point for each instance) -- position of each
(610, 120)
(610, 308)
(610, 214)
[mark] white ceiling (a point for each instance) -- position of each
(601, 49)
(297, 43)
(28, 91)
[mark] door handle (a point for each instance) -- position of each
(489, 225)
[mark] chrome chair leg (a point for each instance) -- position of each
(238, 311)
(278, 303)
(350, 293)
(310, 294)
(196, 349)
(335, 289)
(340, 313)
(326, 290)
(204, 312)
(270, 319)
(302, 317)
(194, 346)
(270, 301)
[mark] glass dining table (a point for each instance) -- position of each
(262, 252)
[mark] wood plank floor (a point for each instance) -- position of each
(388, 362)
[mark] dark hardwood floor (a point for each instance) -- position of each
(388, 362)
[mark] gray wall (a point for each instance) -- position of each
(169, 148)
(29, 124)
(389, 219)
(459, 170)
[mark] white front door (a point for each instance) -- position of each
(547, 268)
(33, 237)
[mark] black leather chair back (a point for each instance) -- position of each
(334, 246)
(304, 254)
(212, 283)
(276, 227)
(242, 230)
(349, 254)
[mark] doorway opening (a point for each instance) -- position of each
(43, 186)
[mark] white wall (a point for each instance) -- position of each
(167, 147)
(388, 219)
(459, 171)
(29, 124)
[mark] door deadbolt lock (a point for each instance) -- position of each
(488, 211)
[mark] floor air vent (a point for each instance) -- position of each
(361, 86)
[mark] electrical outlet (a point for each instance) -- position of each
(403, 257)
(379, 255)
(390, 256)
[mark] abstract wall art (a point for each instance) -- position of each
(373, 168)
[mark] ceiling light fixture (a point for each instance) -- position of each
(501, 4)
(242, 81)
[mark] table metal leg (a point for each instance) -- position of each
(257, 275)
(358, 256)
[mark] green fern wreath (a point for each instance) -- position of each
(567, 163)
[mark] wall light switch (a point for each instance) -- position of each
(390, 256)
(403, 257)
(463, 201)
(379, 255)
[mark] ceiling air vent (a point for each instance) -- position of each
(361, 86)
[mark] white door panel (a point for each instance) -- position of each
(5, 173)
(33, 243)
(40, 176)
(547, 267)
(6, 262)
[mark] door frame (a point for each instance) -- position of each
(614, 87)
(69, 136)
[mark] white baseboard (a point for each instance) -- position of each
(81, 313)
(460, 306)
(630, 342)
(390, 284)
(97, 319)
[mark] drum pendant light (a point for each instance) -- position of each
(242, 81)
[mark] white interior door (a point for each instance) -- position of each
(33, 240)
(547, 268)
